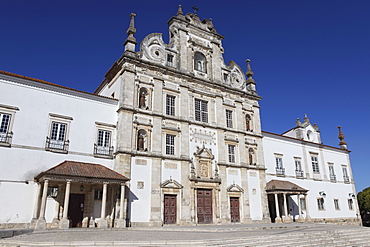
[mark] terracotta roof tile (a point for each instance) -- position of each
(278, 185)
(83, 170)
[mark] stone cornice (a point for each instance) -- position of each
(182, 120)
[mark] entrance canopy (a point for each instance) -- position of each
(284, 186)
(81, 172)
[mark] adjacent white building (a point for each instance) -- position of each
(171, 136)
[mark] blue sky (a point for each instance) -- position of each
(308, 56)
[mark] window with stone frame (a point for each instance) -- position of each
(103, 144)
(170, 144)
(5, 127)
(200, 62)
(350, 204)
(280, 170)
(320, 204)
(170, 105)
(298, 167)
(229, 118)
(231, 151)
(332, 173)
(201, 110)
(345, 174)
(315, 164)
(6, 122)
(336, 204)
(57, 140)
(169, 60)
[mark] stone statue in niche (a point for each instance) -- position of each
(142, 99)
(141, 139)
(248, 122)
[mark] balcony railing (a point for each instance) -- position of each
(299, 173)
(57, 145)
(346, 179)
(280, 171)
(6, 138)
(102, 150)
(333, 178)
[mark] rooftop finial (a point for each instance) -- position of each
(131, 41)
(249, 72)
(179, 10)
(131, 29)
(342, 143)
(306, 119)
(195, 9)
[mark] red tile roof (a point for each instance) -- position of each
(82, 170)
(52, 84)
(278, 185)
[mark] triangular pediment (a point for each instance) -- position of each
(234, 188)
(171, 183)
(204, 152)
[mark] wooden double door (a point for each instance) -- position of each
(234, 209)
(204, 206)
(170, 209)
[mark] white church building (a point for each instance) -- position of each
(171, 136)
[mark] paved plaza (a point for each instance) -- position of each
(294, 234)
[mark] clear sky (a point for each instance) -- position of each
(307, 56)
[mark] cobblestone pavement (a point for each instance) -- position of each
(294, 234)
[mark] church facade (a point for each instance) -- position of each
(171, 136)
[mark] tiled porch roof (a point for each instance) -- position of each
(278, 185)
(74, 169)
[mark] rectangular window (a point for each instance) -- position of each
(350, 204)
(331, 173)
(336, 204)
(103, 146)
(170, 105)
(4, 123)
(320, 203)
(298, 168)
(201, 110)
(345, 175)
(98, 194)
(57, 139)
(225, 77)
(280, 171)
(170, 144)
(315, 164)
(231, 149)
(303, 203)
(5, 133)
(279, 162)
(58, 131)
(229, 119)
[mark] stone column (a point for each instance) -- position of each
(287, 217)
(300, 218)
(192, 203)
(41, 222)
(121, 222)
(278, 218)
(308, 218)
(64, 223)
(55, 222)
(103, 223)
(36, 207)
